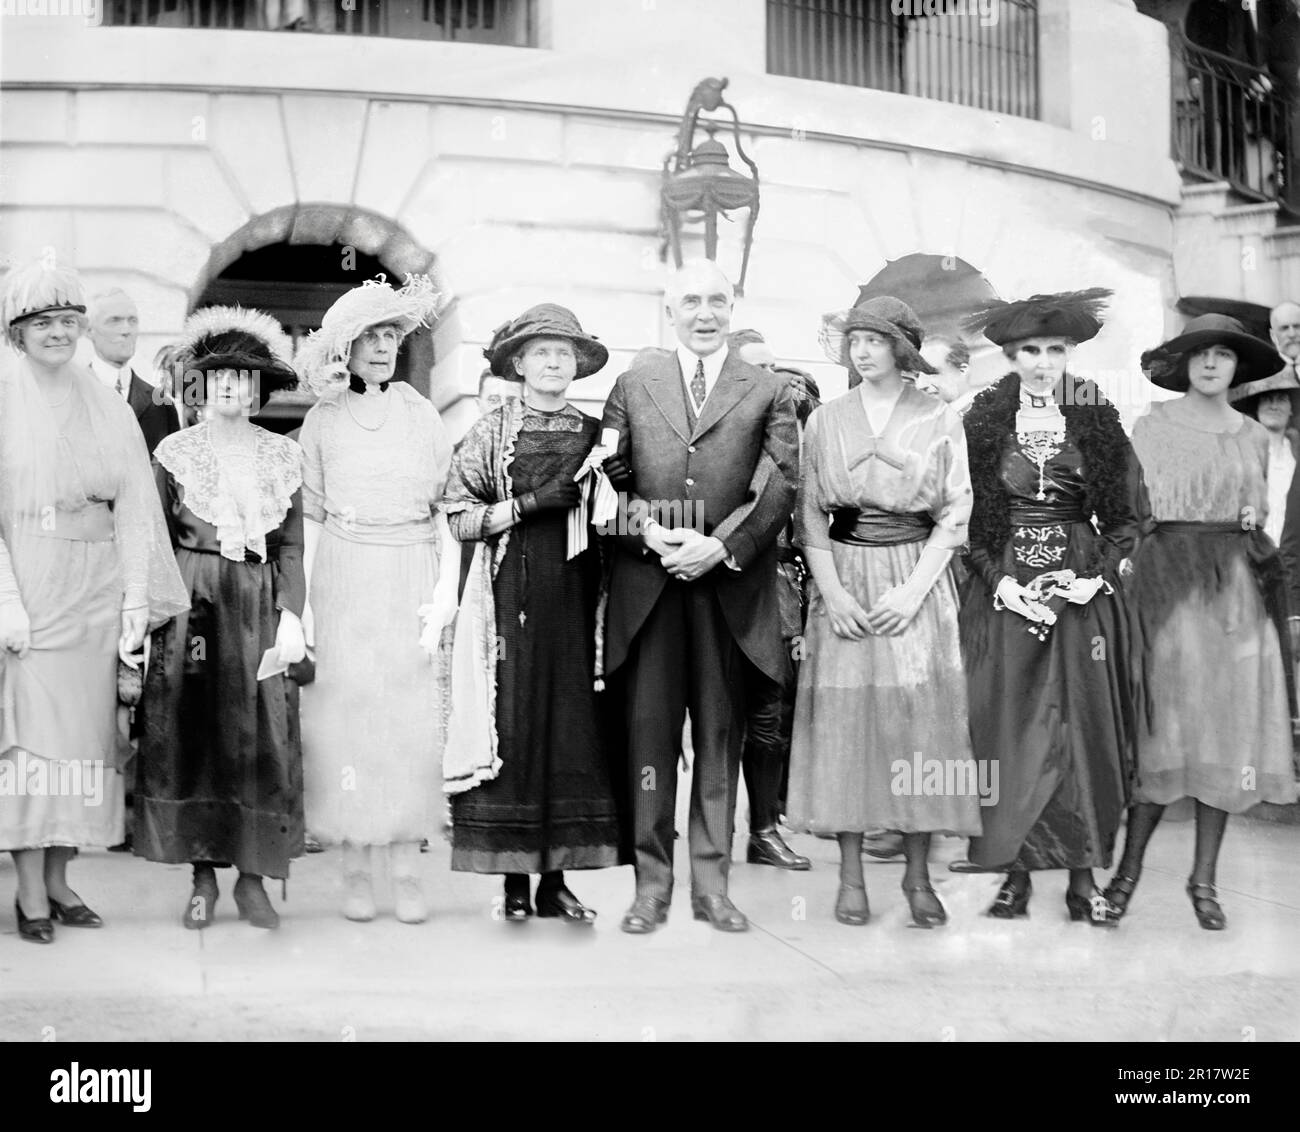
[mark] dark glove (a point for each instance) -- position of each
(619, 472)
(558, 495)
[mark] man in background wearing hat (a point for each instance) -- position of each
(691, 605)
(114, 327)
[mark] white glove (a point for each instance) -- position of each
(290, 644)
(15, 628)
(1017, 598)
(435, 617)
(308, 626)
(1082, 590)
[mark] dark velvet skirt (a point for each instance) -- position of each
(219, 777)
(1058, 717)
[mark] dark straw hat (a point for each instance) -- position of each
(1066, 314)
(885, 315)
(1166, 365)
(546, 320)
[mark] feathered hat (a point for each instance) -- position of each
(323, 358)
(885, 315)
(239, 338)
(37, 289)
(1067, 314)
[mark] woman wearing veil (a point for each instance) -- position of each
(86, 567)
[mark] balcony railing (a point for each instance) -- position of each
(955, 55)
(1230, 124)
(506, 22)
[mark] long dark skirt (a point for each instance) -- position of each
(219, 777)
(552, 805)
(1057, 718)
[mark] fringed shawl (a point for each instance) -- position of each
(480, 477)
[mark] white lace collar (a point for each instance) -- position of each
(244, 509)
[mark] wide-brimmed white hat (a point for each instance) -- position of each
(322, 359)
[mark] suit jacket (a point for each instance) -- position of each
(154, 411)
(1290, 543)
(732, 475)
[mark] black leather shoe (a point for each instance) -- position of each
(767, 847)
(1120, 891)
(563, 904)
(927, 911)
(33, 931)
(720, 912)
(1012, 900)
(201, 909)
(1094, 908)
(74, 915)
(516, 909)
(851, 906)
(1205, 903)
(646, 914)
(253, 903)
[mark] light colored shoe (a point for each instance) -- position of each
(408, 895)
(358, 888)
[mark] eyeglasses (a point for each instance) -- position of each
(377, 335)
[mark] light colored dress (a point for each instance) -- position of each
(1218, 722)
(867, 711)
(96, 544)
(372, 759)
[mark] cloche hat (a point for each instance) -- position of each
(885, 315)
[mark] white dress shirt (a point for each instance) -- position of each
(712, 368)
(1281, 470)
(115, 377)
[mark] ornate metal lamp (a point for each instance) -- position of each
(699, 183)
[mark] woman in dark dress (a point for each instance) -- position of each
(219, 778)
(525, 759)
(1045, 631)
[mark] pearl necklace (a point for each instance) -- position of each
(388, 408)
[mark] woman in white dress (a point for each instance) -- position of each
(375, 462)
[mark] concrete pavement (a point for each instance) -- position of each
(797, 975)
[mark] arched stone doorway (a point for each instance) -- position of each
(295, 261)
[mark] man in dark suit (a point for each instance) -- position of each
(114, 326)
(708, 454)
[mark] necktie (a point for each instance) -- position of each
(121, 386)
(698, 390)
